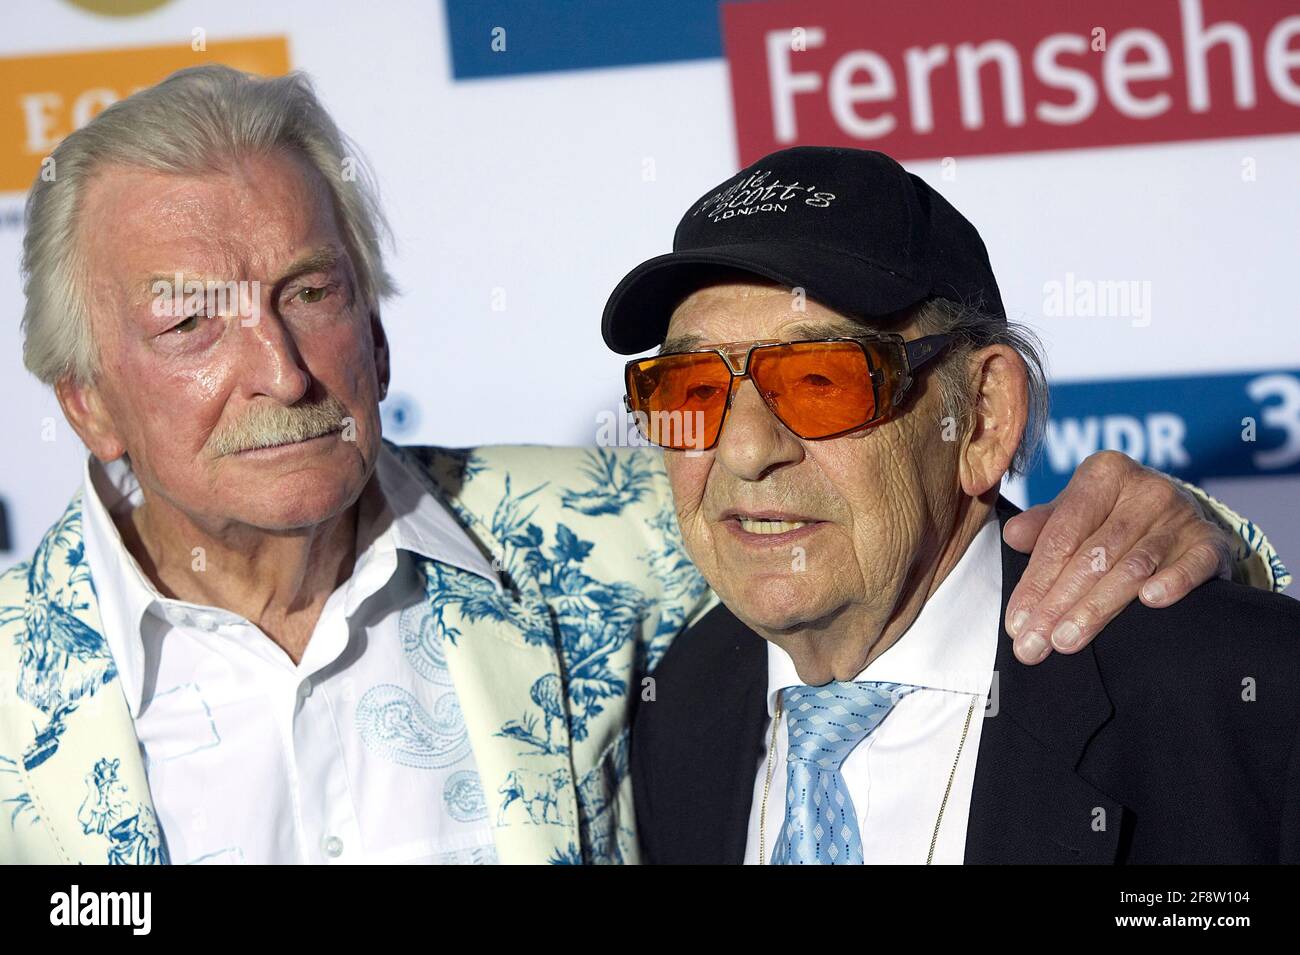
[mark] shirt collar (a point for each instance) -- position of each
(952, 643)
(422, 523)
(402, 514)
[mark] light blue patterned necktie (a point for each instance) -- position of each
(825, 723)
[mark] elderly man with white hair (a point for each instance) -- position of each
(261, 633)
(842, 499)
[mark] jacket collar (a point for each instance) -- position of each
(80, 763)
(493, 638)
(1029, 804)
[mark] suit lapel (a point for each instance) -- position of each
(1028, 804)
(521, 743)
(709, 748)
(740, 736)
(80, 764)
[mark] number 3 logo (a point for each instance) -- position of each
(1284, 415)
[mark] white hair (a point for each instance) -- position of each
(199, 119)
(971, 329)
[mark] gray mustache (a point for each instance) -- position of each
(280, 424)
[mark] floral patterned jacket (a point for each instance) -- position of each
(598, 584)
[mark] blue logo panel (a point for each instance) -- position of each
(1204, 426)
(509, 37)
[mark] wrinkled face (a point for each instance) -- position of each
(794, 534)
(252, 395)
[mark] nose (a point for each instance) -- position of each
(271, 363)
(753, 441)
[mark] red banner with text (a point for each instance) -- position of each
(951, 77)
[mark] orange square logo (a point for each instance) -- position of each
(45, 97)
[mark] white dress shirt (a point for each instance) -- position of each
(896, 777)
(356, 754)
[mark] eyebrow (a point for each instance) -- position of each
(322, 259)
(679, 344)
(844, 328)
(804, 331)
(318, 260)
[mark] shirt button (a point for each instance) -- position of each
(304, 689)
(333, 846)
(207, 622)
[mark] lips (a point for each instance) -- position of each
(764, 526)
(767, 523)
(288, 444)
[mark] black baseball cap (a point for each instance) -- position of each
(851, 227)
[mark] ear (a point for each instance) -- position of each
(380, 340)
(83, 406)
(1001, 386)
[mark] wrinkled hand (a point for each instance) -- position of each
(1117, 530)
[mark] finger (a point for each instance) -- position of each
(1080, 623)
(1031, 649)
(1072, 520)
(1201, 562)
(1119, 534)
(1021, 531)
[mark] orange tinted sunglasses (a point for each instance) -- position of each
(817, 389)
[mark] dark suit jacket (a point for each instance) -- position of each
(1148, 723)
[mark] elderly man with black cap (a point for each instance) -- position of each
(832, 331)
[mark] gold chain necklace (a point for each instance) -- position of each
(767, 783)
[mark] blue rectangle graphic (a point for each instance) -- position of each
(509, 37)
(1196, 427)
